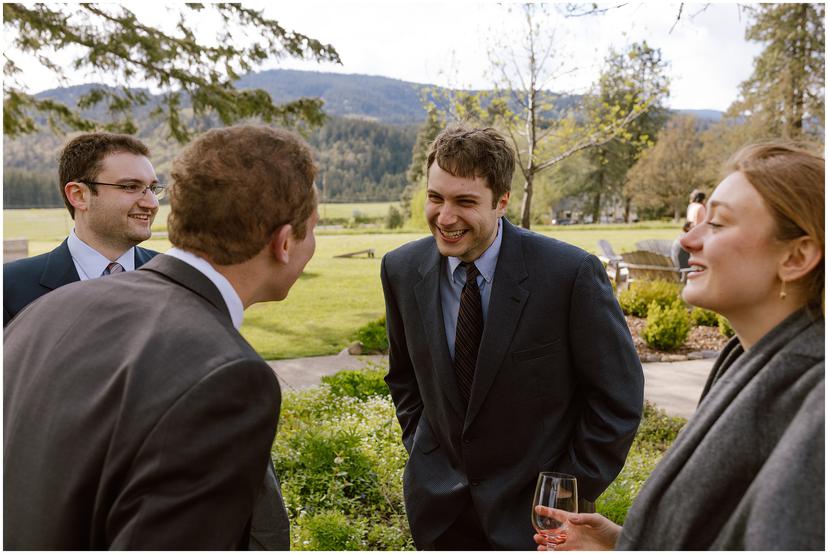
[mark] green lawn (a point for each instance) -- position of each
(55, 223)
(335, 296)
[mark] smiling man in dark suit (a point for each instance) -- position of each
(136, 416)
(111, 191)
(509, 355)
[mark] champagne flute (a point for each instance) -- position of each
(554, 490)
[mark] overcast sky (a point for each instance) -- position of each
(446, 43)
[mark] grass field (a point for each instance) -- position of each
(335, 296)
(55, 223)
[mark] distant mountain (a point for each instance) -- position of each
(713, 116)
(356, 96)
(366, 97)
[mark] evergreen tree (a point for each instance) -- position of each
(415, 175)
(627, 76)
(196, 76)
(662, 179)
(786, 91)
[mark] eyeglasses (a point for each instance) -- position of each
(157, 189)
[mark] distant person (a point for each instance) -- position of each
(679, 255)
(136, 417)
(111, 191)
(748, 470)
(696, 210)
(509, 355)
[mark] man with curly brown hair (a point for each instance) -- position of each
(136, 416)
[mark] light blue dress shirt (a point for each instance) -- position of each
(453, 279)
(90, 263)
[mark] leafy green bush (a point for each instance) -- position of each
(657, 429)
(704, 318)
(655, 434)
(329, 530)
(637, 299)
(373, 335)
(340, 458)
(667, 328)
(724, 327)
(358, 383)
(394, 218)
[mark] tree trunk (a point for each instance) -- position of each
(526, 205)
(596, 200)
(596, 207)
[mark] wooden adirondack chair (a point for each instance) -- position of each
(659, 246)
(648, 266)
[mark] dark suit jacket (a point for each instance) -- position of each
(26, 280)
(135, 417)
(558, 385)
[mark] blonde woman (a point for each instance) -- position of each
(748, 471)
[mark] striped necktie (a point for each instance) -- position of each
(469, 331)
(112, 269)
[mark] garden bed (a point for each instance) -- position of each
(703, 342)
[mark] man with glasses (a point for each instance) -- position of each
(111, 191)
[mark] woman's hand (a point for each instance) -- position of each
(578, 532)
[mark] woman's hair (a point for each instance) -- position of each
(697, 196)
(791, 181)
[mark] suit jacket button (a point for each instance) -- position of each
(466, 442)
(475, 482)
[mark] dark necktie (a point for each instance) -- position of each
(113, 268)
(469, 331)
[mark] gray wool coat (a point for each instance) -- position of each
(748, 470)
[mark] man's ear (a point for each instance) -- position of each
(802, 256)
(280, 243)
(78, 195)
(502, 203)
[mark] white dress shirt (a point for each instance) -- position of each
(228, 293)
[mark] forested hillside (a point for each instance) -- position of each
(363, 149)
(358, 160)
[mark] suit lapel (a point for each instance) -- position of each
(60, 269)
(142, 256)
(505, 307)
(427, 292)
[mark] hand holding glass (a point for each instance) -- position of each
(554, 490)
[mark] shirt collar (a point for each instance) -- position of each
(487, 261)
(228, 293)
(91, 262)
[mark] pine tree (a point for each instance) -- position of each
(195, 75)
(786, 91)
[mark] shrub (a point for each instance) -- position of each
(657, 429)
(704, 318)
(655, 434)
(667, 327)
(329, 530)
(358, 383)
(724, 327)
(373, 335)
(394, 218)
(340, 459)
(637, 299)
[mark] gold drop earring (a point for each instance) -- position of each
(782, 293)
